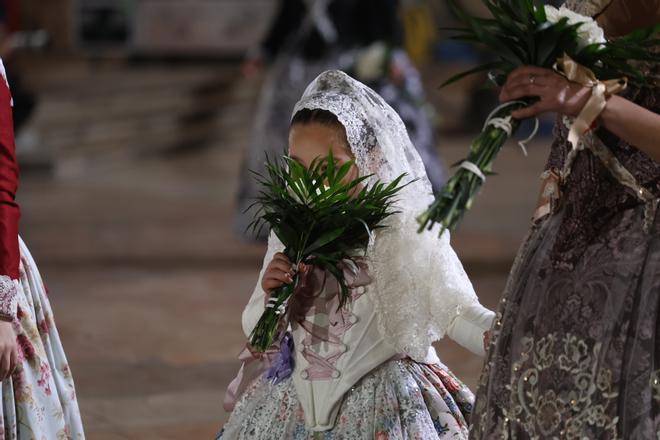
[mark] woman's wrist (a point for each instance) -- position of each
(580, 99)
(608, 112)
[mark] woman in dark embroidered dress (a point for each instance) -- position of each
(574, 352)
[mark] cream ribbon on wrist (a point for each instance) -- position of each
(600, 91)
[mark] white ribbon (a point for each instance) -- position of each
(467, 165)
(502, 123)
(271, 302)
(281, 309)
(505, 124)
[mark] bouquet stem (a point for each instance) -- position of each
(267, 329)
(457, 195)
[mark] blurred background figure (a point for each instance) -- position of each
(14, 39)
(365, 38)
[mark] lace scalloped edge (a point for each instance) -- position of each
(8, 300)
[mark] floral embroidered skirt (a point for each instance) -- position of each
(576, 352)
(401, 399)
(39, 401)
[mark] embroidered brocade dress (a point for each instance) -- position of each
(39, 400)
(575, 351)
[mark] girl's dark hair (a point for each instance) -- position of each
(323, 117)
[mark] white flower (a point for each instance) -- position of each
(588, 33)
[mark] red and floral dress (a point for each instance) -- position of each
(39, 399)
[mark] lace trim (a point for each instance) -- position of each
(8, 300)
(420, 286)
(376, 134)
(592, 143)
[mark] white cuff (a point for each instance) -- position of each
(468, 328)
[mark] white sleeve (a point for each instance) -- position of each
(255, 307)
(469, 326)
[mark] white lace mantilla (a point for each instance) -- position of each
(8, 300)
(420, 284)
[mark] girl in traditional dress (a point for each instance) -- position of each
(367, 371)
(575, 351)
(38, 395)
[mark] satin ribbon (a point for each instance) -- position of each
(474, 169)
(282, 367)
(505, 124)
(253, 365)
(600, 91)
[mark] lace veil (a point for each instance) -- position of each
(419, 283)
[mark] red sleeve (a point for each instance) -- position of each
(9, 210)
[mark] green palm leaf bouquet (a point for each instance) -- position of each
(322, 218)
(527, 32)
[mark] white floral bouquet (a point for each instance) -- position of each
(527, 32)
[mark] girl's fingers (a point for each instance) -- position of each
(282, 277)
(280, 266)
(269, 285)
(279, 277)
(281, 257)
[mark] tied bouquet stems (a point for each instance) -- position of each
(527, 32)
(323, 219)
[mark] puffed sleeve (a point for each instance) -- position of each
(9, 210)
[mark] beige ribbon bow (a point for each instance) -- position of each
(600, 91)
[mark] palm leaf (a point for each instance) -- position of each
(461, 75)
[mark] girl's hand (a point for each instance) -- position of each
(278, 273)
(8, 350)
(556, 93)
